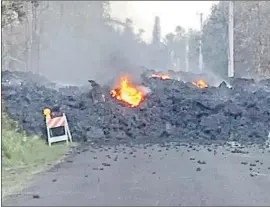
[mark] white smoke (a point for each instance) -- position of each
(144, 89)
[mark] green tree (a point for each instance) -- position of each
(12, 11)
(215, 40)
(251, 39)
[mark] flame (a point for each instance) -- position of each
(162, 77)
(128, 93)
(200, 84)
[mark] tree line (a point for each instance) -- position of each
(251, 39)
(77, 38)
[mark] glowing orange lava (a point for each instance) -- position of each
(200, 84)
(128, 93)
(162, 77)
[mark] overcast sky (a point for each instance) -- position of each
(171, 13)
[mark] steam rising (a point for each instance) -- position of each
(146, 90)
(77, 43)
(75, 49)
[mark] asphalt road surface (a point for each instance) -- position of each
(152, 176)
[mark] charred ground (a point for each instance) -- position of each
(172, 111)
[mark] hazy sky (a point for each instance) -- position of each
(171, 13)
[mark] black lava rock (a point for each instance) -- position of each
(201, 162)
(106, 164)
(172, 111)
(36, 196)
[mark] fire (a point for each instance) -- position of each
(162, 77)
(200, 84)
(128, 93)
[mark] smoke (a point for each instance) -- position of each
(75, 46)
(144, 89)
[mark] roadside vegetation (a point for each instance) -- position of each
(23, 156)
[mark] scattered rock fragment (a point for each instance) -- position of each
(198, 169)
(36, 196)
(116, 158)
(253, 174)
(201, 162)
(85, 150)
(239, 151)
(106, 164)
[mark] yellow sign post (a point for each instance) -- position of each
(47, 113)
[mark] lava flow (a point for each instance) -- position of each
(200, 84)
(128, 93)
(162, 77)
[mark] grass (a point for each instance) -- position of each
(23, 156)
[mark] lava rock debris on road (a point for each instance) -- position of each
(172, 111)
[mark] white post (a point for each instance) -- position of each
(67, 128)
(231, 41)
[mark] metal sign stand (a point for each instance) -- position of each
(55, 122)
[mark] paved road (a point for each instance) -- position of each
(152, 176)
